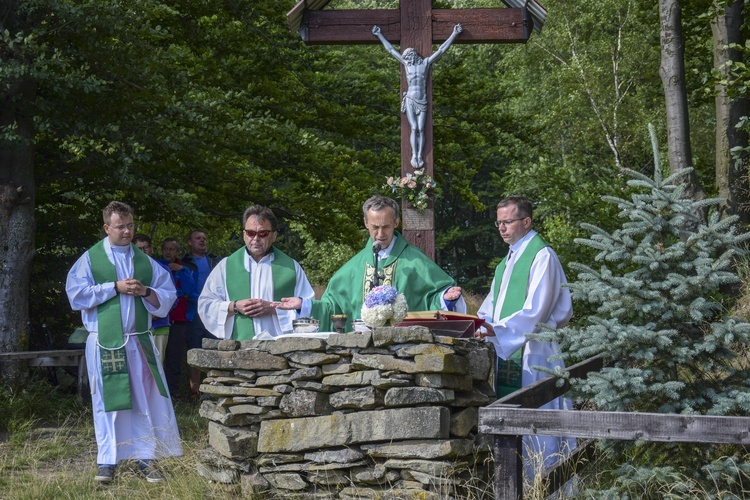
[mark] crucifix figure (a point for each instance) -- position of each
(414, 100)
(415, 24)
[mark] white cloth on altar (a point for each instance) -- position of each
(213, 303)
(547, 301)
(149, 429)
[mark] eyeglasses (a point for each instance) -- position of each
(123, 227)
(507, 222)
(260, 234)
(143, 247)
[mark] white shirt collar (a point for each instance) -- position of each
(385, 252)
(266, 259)
(520, 244)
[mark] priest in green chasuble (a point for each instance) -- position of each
(237, 299)
(401, 265)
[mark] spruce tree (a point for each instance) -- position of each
(662, 325)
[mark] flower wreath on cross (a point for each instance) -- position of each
(413, 187)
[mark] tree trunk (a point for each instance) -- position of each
(672, 71)
(17, 192)
(731, 178)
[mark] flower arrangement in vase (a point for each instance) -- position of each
(384, 305)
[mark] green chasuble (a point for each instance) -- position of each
(114, 369)
(284, 277)
(407, 269)
(508, 377)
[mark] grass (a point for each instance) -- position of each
(48, 450)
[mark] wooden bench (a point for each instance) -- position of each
(57, 358)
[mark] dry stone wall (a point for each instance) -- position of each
(384, 414)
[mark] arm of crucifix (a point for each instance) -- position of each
(457, 29)
(387, 44)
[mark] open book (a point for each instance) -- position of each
(444, 322)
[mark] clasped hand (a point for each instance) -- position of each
(131, 286)
(486, 330)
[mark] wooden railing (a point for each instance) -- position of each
(54, 358)
(518, 414)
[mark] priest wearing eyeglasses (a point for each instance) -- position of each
(237, 299)
(118, 289)
(527, 290)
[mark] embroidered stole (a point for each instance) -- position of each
(508, 377)
(114, 367)
(386, 266)
(238, 279)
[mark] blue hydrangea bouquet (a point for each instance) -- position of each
(384, 305)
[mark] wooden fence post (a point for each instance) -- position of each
(508, 467)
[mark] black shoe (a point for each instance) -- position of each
(152, 475)
(105, 474)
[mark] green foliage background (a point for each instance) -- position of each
(192, 111)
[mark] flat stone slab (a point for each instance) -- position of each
(250, 359)
(233, 390)
(311, 358)
(410, 396)
(284, 345)
(433, 467)
(358, 378)
(363, 398)
(444, 381)
(386, 336)
(351, 340)
(233, 442)
(384, 362)
(422, 449)
(304, 403)
(340, 429)
(342, 455)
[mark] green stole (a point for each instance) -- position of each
(284, 278)
(508, 377)
(114, 367)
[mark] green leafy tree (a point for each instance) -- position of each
(189, 112)
(581, 93)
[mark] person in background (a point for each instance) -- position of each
(200, 262)
(159, 326)
(179, 317)
(237, 299)
(118, 289)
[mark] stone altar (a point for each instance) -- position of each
(384, 414)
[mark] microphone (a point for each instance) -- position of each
(376, 277)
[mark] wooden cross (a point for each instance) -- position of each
(417, 25)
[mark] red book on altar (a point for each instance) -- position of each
(446, 323)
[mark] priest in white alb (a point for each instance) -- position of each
(118, 289)
(237, 299)
(527, 290)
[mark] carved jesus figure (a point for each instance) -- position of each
(414, 101)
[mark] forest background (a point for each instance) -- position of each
(191, 111)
